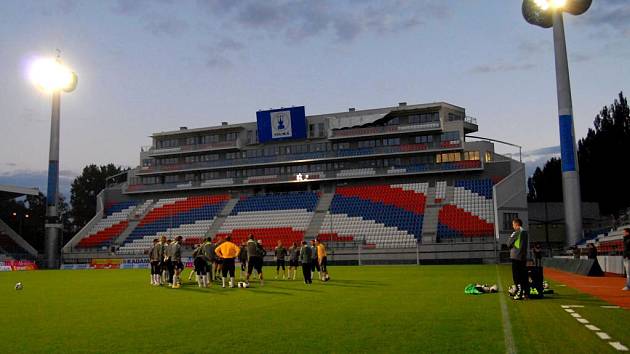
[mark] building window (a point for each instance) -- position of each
(320, 129)
(311, 130)
(471, 155)
(450, 136)
(455, 116)
(507, 220)
(171, 179)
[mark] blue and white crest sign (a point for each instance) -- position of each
(281, 124)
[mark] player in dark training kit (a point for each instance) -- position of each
(280, 253)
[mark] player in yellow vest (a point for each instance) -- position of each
(321, 257)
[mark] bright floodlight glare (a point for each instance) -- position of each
(50, 75)
(546, 4)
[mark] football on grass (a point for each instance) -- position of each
(19, 286)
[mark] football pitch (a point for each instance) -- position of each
(370, 309)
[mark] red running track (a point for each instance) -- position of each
(607, 288)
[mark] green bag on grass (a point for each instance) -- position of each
(471, 289)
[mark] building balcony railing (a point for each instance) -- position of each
(225, 145)
(309, 156)
(311, 176)
(380, 130)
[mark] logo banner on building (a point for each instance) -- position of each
(281, 124)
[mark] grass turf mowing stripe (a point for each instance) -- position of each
(505, 318)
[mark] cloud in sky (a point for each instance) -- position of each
(501, 67)
(38, 179)
(298, 20)
(613, 14)
(538, 157)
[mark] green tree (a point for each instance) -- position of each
(545, 185)
(603, 155)
(84, 190)
(30, 217)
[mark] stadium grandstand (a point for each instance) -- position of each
(395, 185)
(12, 245)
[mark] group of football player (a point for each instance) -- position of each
(214, 260)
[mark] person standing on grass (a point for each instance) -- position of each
(280, 253)
(537, 252)
(592, 251)
(306, 258)
(261, 253)
(518, 255)
(242, 258)
(168, 264)
(201, 266)
(254, 259)
(155, 255)
(208, 251)
(163, 267)
(626, 257)
(294, 259)
(321, 257)
(227, 251)
(218, 262)
(176, 261)
(314, 260)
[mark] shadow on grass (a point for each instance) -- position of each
(266, 292)
(347, 283)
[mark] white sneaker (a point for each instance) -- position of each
(625, 288)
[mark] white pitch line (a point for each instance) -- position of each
(610, 307)
(591, 327)
(620, 347)
(603, 335)
(510, 347)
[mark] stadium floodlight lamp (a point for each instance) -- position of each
(51, 75)
(546, 4)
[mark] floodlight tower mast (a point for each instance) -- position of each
(52, 76)
(548, 13)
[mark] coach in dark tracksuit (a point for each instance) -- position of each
(306, 257)
(518, 254)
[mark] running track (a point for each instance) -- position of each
(607, 288)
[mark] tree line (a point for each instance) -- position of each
(27, 215)
(603, 156)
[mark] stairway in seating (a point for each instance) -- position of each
(134, 219)
(220, 219)
(325, 199)
(430, 222)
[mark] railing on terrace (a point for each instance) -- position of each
(384, 129)
(313, 176)
(303, 156)
(470, 120)
(195, 147)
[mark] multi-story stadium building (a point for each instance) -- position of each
(394, 184)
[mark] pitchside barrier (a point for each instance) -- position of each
(435, 253)
(12, 266)
(589, 267)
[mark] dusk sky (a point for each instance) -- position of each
(149, 66)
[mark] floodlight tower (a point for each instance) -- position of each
(548, 13)
(51, 76)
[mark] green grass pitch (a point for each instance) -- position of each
(371, 309)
